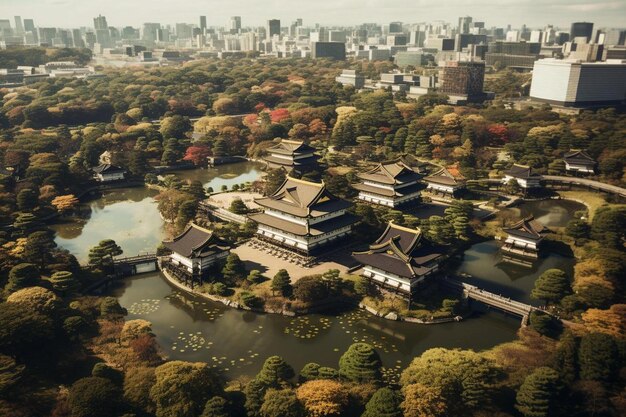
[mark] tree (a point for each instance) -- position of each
(333, 281)
(384, 403)
(551, 286)
(538, 395)
(215, 407)
(237, 206)
(463, 376)
(274, 179)
(10, 373)
(234, 269)
(611, 321)
(196, 189)
(38, 299)
(65, 203)
(360, 363)
(23, 331)
(322, 398)
(565, 358)
(197, 155)
(255, 393)
(138, 163)
(578, 229)
(281, 403)
(26, 222)
(64, 282)
(174, 127)
(38, 248)
(281, 282)
(109, 306)
(94, 397)
(423, 401)
(609, 226)
(102, 254)
(255, 277)
(310, 289)
(22, 276)
(598, 357)
(102, 370)
(183, 388)
(275, 372)
(137, 385)
(544, 323)
(309, 372)
(27, 199)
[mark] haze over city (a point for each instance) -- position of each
(533, 13)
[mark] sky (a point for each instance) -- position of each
(533, 13)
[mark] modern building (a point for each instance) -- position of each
(447, 181)
(193, 253)
(524, 176)
(351, 77)
(569, 83)
(581, 30)
(518, 55)
(303, 216)
(334, 50)
(579, 162)
(411, 58)
(108, 173)
(234, 24)
(523, 238)
(462, 81)
(272, 28)
(399, 260)
(292, 155)
(390, 184)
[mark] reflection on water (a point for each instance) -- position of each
(483, 261)
(130, 215)
(192, 328)
(551, 213)
(221, 175)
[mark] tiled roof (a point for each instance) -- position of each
(196, 241)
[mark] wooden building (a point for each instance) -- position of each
(446, 180)
(390, 184)
(303, 216)
(399, 260)
(108, 173)
(524, 176)
(292, 155)
(193, 253)
(579, 162)
(524, 237)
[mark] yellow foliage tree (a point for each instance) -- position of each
(65, 203)
(611, 321)
(323, 397)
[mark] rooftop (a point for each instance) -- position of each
(196, 241)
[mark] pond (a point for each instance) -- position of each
(192, 328)
(221, 175)
(483, 261)
(130, 215)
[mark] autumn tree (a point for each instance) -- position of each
(323, 398)
(197, 155)
(65, 203)
(423, 401)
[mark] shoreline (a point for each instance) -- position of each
(233, 304)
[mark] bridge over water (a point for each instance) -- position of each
(493, 300)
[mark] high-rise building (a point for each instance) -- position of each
(395, 27)
(29, 25)
(581, 29)
(77, 38)
(149, 32)
(615, 37)
(462, 78)
(579, 84)
(272, 28)
(100, 22)
(335, 50)
(184, 31)
(464, 24)
(234, 24)
(46, 35)
(19, 28)
(247, 41)
(5, 27)
(203, 23)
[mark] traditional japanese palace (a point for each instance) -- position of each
(399, 260)
(578, 162)
(292, 155)
(108, 173)
(524, 176)
(446, 180)
(524, 237)
(303, 216)
(389, 184)
(194, 252)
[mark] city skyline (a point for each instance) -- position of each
(119, 13)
